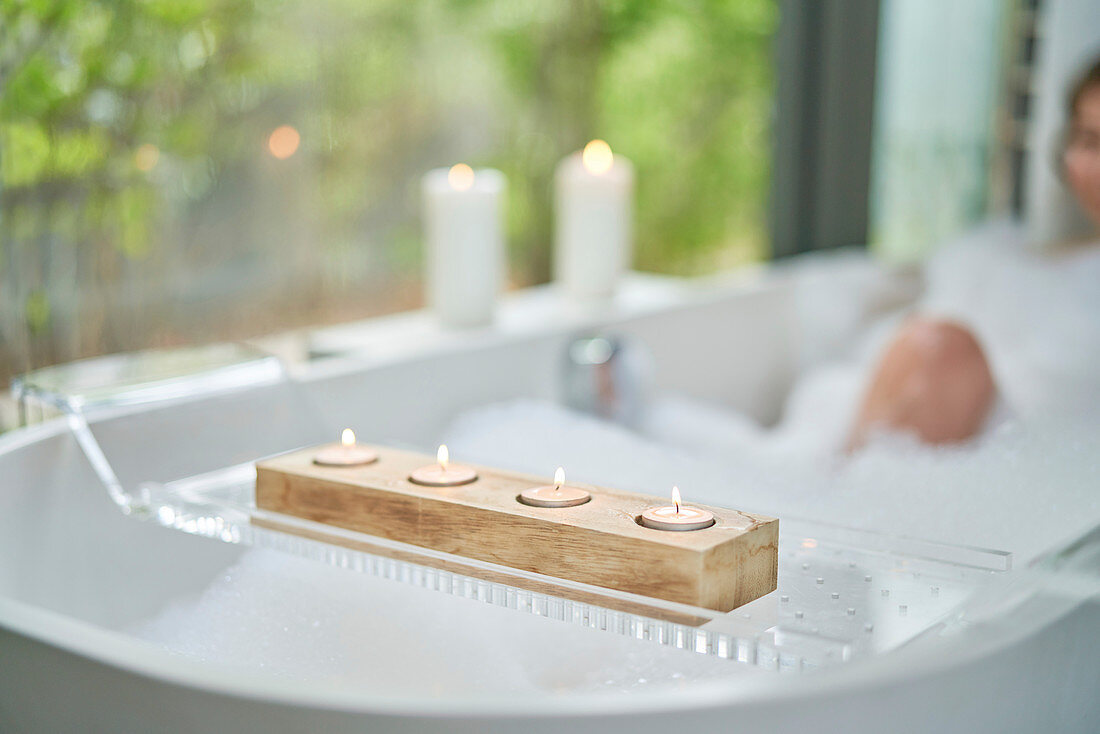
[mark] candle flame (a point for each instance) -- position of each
(559, 479)
(443, 456)
(676, 498)
(460, 177)
(597, 157)
(347, 438)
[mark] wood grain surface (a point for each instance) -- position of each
(599, 543)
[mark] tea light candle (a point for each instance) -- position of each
(677, 517)
(443, 473)
(594, 210)
(347, 453)
(556, 496)
(464, 253)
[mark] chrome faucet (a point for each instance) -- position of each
(609, 377)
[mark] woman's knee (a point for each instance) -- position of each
(933, 381)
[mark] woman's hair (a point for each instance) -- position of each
(1088, 80)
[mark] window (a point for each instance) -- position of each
(182, 172)
(940, 87)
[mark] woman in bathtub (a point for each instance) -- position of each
(935, 381)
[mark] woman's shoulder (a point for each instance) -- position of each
(1001, 236)
(963, 266)
(1076, 251)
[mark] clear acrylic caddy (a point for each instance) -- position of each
(842, 593)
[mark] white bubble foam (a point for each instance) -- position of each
(1020, 488)
(1024, 485)
(296, 618)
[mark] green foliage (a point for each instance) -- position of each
(86, 83)
(689, 96)
(38, 312)
(133, 148)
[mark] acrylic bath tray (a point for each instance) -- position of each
(842, 593)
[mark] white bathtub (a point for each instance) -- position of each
(75, 573)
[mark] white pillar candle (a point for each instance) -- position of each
(594, 227)
(464, 258)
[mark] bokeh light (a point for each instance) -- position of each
(283, 142)
(146, 157)
(460, 177)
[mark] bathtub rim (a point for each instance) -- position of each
(121, 651)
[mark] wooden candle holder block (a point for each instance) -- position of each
(598, 543)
